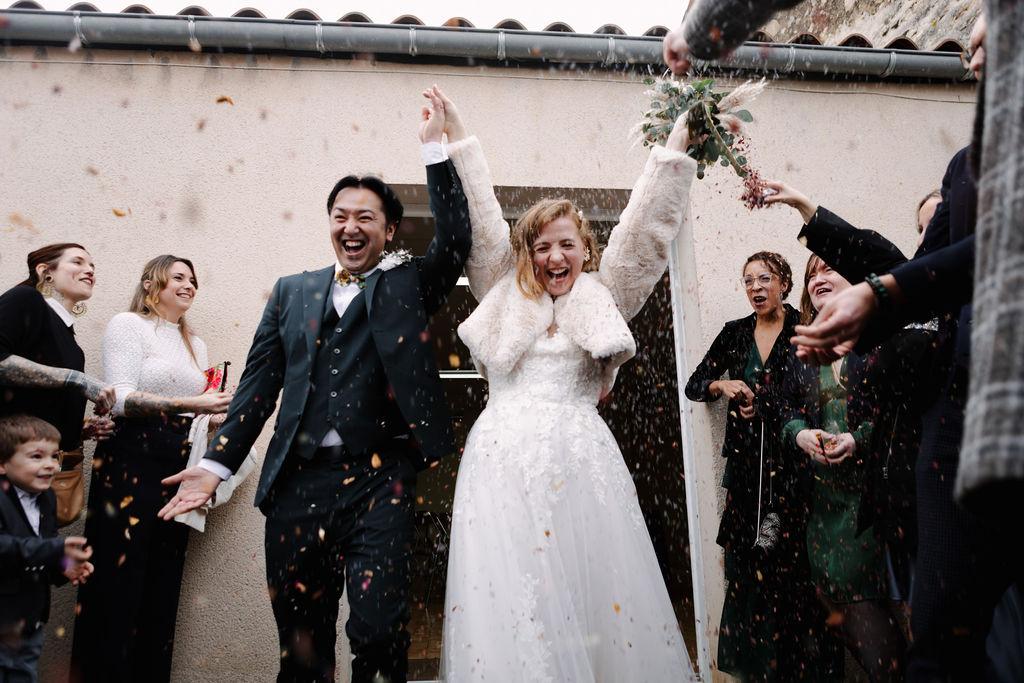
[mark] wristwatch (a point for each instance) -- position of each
(880, 291)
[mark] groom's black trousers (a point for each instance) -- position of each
(333, 522)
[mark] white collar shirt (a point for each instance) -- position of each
(64, 313)
(30, 504)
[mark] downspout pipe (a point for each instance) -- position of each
(237, 34)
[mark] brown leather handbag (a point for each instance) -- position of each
(69, 487)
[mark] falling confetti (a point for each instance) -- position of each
(375, 462)
(224, 99)
(121, 213)
(126, 501)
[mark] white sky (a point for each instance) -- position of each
(584, 16)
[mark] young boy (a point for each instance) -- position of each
(32, 556)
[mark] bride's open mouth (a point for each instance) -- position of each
(822, 290)
(759, 299)
(558, 276)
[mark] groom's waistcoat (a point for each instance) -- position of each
(349, 388)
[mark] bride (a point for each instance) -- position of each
(552, 575)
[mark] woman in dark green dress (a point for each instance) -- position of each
(834, 420)
(770, 617)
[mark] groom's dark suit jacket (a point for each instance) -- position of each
(373, 377)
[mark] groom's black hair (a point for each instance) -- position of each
(393, 209)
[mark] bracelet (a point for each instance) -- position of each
(881, 293)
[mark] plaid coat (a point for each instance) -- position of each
(991, 474)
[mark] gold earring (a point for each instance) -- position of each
(46, 286)
(79, 309)
(586, 255)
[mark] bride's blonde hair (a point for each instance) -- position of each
(529, 226)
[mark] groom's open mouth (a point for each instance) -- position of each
(353, 248)
(558, 276)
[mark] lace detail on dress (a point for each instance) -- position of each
(549, 549)
(529, 634)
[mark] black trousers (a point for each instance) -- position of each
(340, 522)
(964, 564)
(127, 609)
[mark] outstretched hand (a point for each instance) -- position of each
(453, 126)
(676, 52)
(838, 327)
(432, 118)
(197, 487)
(781, 193)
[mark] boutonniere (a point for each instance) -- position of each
(393, 259)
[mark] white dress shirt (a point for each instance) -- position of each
(341, 297)
(30, 504)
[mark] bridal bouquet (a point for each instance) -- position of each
(715, 120)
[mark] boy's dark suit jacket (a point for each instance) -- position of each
(28, 563)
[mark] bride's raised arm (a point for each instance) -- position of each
(638, 249)
(491, 255)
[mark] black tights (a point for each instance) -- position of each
(871, 631)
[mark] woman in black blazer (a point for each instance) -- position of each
(41, 364)
(770, 615)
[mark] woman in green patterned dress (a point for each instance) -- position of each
(833, 419)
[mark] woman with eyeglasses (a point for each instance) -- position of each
(770, 614)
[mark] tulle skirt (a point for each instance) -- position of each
(552, 575)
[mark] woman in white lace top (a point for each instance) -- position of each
(125, 624)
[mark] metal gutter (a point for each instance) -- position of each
(236, 34)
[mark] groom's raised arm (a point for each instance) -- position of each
(256, 396)
(446, 256)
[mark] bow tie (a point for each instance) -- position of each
(345, 278)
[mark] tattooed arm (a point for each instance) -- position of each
(21, 372)
(139, 403)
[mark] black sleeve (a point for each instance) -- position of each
(714, 365)
(937, 234)
(797, 395)
(851, 252)
(715, 27)
(22, 321)
(443, 262)
(939, 282)
(258, 388)
(24, 554)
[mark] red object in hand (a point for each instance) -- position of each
(217, 376)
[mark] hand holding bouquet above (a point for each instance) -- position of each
(715, 122)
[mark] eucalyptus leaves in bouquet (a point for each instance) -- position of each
(715, 121)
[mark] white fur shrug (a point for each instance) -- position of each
(594, 313)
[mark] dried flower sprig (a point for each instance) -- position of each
(715, 119)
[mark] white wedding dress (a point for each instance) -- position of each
(552, 576)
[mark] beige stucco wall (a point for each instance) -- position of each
(239, 189)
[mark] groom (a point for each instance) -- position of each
(362, 411)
